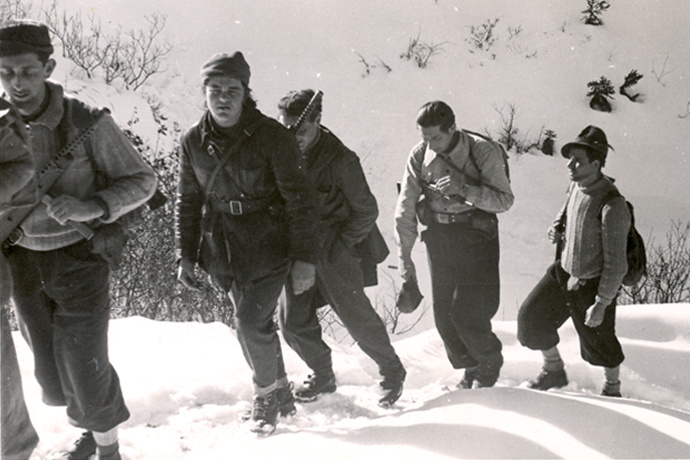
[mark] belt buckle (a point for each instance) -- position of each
(443, 218)
(236, 208)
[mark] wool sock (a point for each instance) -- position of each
(552, 360)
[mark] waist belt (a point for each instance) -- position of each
(240, 207)
(452, 218)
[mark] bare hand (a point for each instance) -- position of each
(554, 235)
(303, 276)
(595, 314)
(186, 276)
(446, 187)
(65, 207)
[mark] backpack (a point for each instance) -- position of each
(635, 253)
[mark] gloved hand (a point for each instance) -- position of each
(303, 276)
(186, 276)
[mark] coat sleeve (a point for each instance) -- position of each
(362, 203)
(188, 207)
(406, 212)
(493, 193)
(615, 224)
(297, 192)
(130, 180)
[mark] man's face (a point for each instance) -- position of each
(581, 169)
(437, 139)
(306, 133)
(23, 78)
(224, 98)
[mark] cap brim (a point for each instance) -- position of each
(566, 148)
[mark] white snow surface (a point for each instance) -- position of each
(186, 384)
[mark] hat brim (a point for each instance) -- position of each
(565, 150)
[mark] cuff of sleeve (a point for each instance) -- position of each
(102, 203)
(603, 300)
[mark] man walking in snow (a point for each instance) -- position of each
(348, 213)
(17, 188)
(246, 213)
(60, 277)
(464, 183)
(583, 282)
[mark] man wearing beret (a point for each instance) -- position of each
(583, 283)
(348, 215)
(61, 291)
(246, 214)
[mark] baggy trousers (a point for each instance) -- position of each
(550, 304)
(256, 301)
(466, 290)
(339, 280)
(62, 304)
(19, 437)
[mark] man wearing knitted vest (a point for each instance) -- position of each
(583, 282)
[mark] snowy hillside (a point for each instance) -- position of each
(186, 384)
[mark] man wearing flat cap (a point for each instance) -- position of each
(61, 279)
(583, 283)
(246, 214)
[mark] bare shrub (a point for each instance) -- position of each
(420, 52)
(483, 37)
(132, 56)
(662, 73)
(14, 9)
(369, 67)
(668, 271)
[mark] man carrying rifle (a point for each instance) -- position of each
(347, 223)
(245, 212)
(89, 175)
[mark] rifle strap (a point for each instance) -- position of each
(246, 134)
(46, 178)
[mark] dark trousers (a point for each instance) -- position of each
(550, 304)
(466, 289)
(257, 332)
(19, 437)
(62, 303)
(339, 282)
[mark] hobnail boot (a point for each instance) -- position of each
(314, 386)
(265, 414)
(549, 379)
(83, 448)
(392, 386)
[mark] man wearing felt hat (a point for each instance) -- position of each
(246, 214)
(61, 279)
(583, 283)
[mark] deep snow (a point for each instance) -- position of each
(187, 383)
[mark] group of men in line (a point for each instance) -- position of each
(266, 205)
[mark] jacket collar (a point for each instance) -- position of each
(51, 116)
(209, 129)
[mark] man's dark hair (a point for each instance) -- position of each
(294, 103)
(436, 113)
(593, 155)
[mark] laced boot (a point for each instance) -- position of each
(488, 371)
(611, 389)
(264, 414)
(83, 448)
(392, 386)
(315, 385)
(468, 379)
(286, 400)
(549, 379)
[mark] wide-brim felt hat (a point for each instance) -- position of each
(592, 138)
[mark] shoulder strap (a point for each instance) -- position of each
(214, 175)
